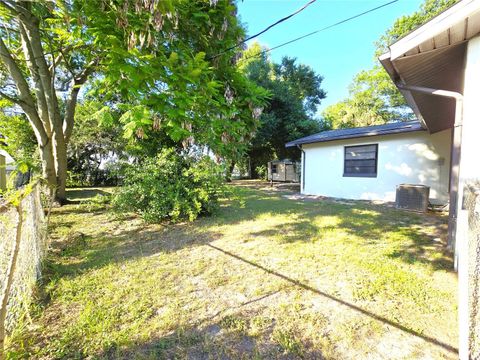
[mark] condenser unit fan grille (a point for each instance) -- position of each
(412, 197)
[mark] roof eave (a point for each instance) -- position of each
(433, 27)
(346, 137)
(389, 66)
(443, 37)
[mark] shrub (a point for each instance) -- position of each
(171, 187)
(262, 172)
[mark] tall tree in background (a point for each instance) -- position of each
(37, 62)
(152, 54)
(295, 93)
(373, 98)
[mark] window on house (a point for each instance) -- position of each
(274, 169)
(360, 161)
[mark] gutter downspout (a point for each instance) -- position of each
(303, 167)
(456, 196)
(455, 188)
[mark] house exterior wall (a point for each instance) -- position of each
(410, 158)
(469, 162)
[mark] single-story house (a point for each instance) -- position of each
(370, 162)
(437, 68)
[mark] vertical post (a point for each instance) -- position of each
(3, 173)
(455, 187)
(302, 164)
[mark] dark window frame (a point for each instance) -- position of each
(367, 175)
(274, 169)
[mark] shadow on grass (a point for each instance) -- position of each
(368, 223)
(218, 340)
(76, 196)
(340, 301)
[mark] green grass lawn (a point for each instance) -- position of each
(266, 277)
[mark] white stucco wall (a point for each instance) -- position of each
(409, 158)
(469, 162)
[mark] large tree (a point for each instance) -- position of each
(295, 93)
(158, 56)
(373, 98)
(36, 65)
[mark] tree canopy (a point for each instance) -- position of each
(373, 98)
(153, 61)
(295, 93)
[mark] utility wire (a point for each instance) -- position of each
(319, 30)
(264, 30)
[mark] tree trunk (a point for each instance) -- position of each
(60, 167)
(35, 77)
(228, 175)
(48, 166)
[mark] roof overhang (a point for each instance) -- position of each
(359, 132)
(433, 56)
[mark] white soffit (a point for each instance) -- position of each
(457, 24)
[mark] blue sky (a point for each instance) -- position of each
(338, 53)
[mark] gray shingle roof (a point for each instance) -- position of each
(340, 134)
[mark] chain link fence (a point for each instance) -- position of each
(472, 205)
(23, 243)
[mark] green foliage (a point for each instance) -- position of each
(169, 85)
(289, 343)
(97, 203)
(295, 93)
(96, 146)
(155, 72)
(171, 187)
(18, 140)
(262, 172)
(373, 100)
(373, 97)
(407, 23)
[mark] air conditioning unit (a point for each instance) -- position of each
(412, 197)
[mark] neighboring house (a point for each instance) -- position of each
(369, 162)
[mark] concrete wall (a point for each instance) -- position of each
(413, 158)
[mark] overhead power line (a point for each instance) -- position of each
(264, 30)
(320, 30)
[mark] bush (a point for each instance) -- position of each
(171, 187)
(262, 172)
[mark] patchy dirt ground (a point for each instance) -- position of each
(266, 277)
